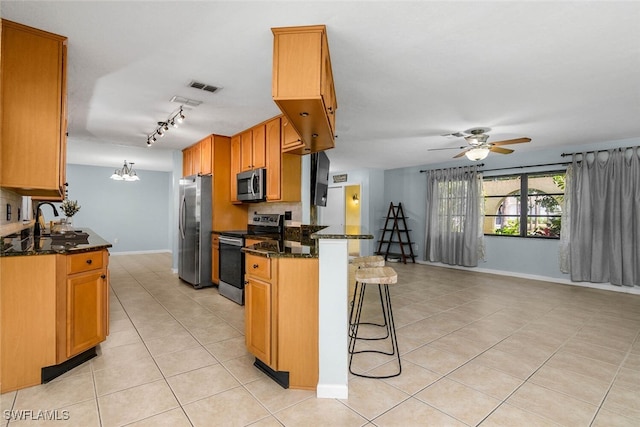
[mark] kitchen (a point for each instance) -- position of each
(251, 166)
(122, 209)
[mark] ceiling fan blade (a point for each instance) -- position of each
(460, 154)
(501, 150)
(447, 148)
(511, 141)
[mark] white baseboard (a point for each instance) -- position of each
(332, 391)
(603, 286)
(157, 251)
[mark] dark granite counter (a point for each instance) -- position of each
(26, 244)
(285, 249)
(339, 232)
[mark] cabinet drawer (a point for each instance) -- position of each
(258, 266)
(85, 261)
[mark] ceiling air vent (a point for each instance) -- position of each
(202, 86)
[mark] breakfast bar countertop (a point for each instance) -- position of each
(282, 249)
(26, 244)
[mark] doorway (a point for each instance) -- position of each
(343, 210)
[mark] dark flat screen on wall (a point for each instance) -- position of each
(319, 178)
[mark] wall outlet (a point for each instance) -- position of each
(115, 241)
(415, 247)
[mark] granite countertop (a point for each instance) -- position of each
(282, 249)
(25, 243)
(339, 232)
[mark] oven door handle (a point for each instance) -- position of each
(230, 241)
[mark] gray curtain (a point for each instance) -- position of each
(454, 216)
(604, 243)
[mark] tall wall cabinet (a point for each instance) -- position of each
(33, 125)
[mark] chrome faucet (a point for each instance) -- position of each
(38, 212)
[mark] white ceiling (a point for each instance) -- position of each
(406, 72)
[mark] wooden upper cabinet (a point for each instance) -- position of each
(235, 167)
(197, 158)
(205, 156)
(303, 86)
(290, 138)
(274, 159)
(33, 103)
(253, 148)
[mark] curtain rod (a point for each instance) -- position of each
(595, 151)
(441, 169)
(512, 167)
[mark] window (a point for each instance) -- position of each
(524, 205)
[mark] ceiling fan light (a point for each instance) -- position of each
(478, 153)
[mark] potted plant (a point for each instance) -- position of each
(70, 208)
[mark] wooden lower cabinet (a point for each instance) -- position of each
(258, 334)
(83, 302)
(53, 307)
(281, 316)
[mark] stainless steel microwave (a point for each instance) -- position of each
(252, 185)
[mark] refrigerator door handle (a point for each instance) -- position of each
(181, 223)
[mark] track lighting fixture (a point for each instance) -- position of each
(163, 127)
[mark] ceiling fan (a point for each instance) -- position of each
(479, 148)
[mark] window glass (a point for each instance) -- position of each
(538, 214)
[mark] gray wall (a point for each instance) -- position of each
(136, 214)
(520, 256)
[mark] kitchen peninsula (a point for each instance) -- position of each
(333, 256)
(296, 309)
(54, 301)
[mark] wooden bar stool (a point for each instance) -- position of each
(383, 277)
(366, 262)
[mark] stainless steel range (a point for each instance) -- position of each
(232, 258)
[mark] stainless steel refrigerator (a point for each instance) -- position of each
(194, 225)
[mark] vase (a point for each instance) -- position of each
(66, 225)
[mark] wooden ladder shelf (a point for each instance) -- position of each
(395, 232)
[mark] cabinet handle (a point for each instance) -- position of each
(89, 261)
(255, 266)
(104, 276)
(246, 282)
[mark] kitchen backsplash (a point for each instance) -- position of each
(277, 208)
(8, 197)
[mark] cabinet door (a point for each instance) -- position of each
(274, 160)
(290, 138)
(33, 98)
(258, 146)
(187, 165)
(328, 90)
(215, 259)
(235, 167)
(195, 159)
(246, 151)
(87, 297)
(205, 156)
(257, 313)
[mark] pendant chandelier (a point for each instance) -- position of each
(126, 173)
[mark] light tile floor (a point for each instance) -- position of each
(477, 349)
